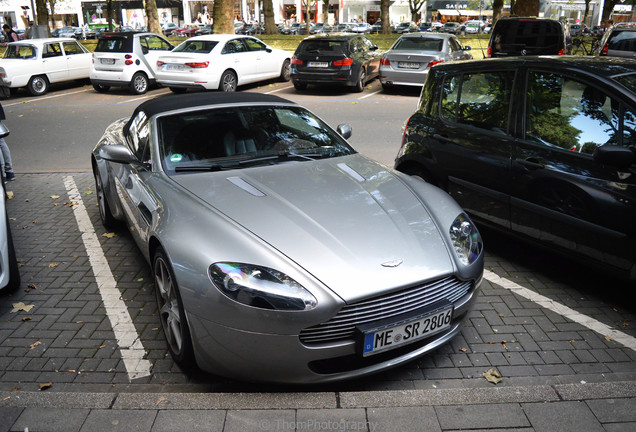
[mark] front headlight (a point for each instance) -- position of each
(466, 239)
(260, 287)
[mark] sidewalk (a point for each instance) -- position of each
(563, 408)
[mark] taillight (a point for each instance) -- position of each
(605, 49)
(561, 51)
(434, 62)
(489, 51)
(198, 64)
(347, 61)
(296, 61)
(385, 62)
(128, 58)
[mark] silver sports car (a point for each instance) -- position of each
(279, 253)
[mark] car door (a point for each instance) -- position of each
(236, 56)
(457, 51)
(153, 46)
(268, 63)
(472, 141)
(371, 55)
(78, 60)
(54, 62)
(137, 201)
(560, 193)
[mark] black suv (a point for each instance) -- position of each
(542, 147)
(526, 36)
(344, 59)
(619, 41)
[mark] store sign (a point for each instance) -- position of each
(455, 6)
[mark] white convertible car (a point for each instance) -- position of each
(37, 63)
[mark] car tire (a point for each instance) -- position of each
(101, 88)
(285, 71)
(139, 83)
(38, 85)
(171, 311)
(300, 85)
(177, 90)
(228, 81)
(14, 271)
(105, 214)
(359, 87)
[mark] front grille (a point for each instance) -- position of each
(343, 325)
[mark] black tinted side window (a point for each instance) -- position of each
(480, 99)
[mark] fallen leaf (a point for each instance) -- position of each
(102, 346)
(9, 194)
(140, 280)
(463, 349)
(492, 376)
(161, 399)
(17, 307)
(6, 399)
(109, 235)
(53, 265)
(88, 192)
(79, 322)
(55, 196)
(608, 338)
(26, 319)
(56, 204)
(34, 344)
(44, 386)
(32, 286)
(71, 370)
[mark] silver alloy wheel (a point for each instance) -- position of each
(228, 81)
(38, 85)
(139, 83)
(285, 74)
(169, 311)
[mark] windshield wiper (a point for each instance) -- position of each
(208, 167)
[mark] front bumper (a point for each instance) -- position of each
(283, 358)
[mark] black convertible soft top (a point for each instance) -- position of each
(192, 100)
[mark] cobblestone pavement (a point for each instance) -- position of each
(59, 342)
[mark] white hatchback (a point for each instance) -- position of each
(127, 59)
(221, 61)
(37, 63)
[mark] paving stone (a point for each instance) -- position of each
(334, 420)
(50, 420)
(192, 421)
(119, 421)
(411, 419)
(614, 410)
(481, 416)
(562, 417)
(9, 415)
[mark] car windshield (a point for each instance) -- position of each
(232, 138)
(418, 44)
(20, 52)
(196, 46)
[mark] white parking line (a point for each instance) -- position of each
(370, 94)
(41, 98)
(132, 351)
(592, 324)
(146, 96)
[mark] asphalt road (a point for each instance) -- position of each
(55, 132)
(539, 319)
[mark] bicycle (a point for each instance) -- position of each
(582, 46)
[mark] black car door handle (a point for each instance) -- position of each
(531, 163)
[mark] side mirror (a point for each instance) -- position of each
(617, 156)
(117, 153)
(345, 130)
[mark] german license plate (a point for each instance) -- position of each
(175, 67)
(408, 65)
(107, 61)
(318, 64)
(397, 334)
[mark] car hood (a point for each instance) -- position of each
(348, 221)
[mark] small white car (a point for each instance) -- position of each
(127, 59)
(38, 63)
(221, 61)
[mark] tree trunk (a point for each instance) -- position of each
(152, 16)
(497, 9)
(384, 16)
(268, 12)
(223, 15)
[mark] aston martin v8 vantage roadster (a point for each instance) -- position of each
(278, 252)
